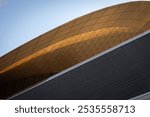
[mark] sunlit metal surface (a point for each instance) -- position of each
(71, 43)
(121, 73)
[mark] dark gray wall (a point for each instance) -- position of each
(120, 74)
(145, 96)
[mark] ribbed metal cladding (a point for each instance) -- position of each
(72, 43)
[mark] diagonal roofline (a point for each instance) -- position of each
(84, 62)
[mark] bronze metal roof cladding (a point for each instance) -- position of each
(71, 43)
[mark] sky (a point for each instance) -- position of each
(23, 20)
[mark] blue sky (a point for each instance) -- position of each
(23, 20)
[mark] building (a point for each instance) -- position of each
(70, 44)
(122, 72)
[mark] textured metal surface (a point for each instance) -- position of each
(120, 74)
(70, 44)
(145, 96)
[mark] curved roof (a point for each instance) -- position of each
(76, 41)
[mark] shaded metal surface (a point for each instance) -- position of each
(120, 74)
(71, 43)
(145, 96)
